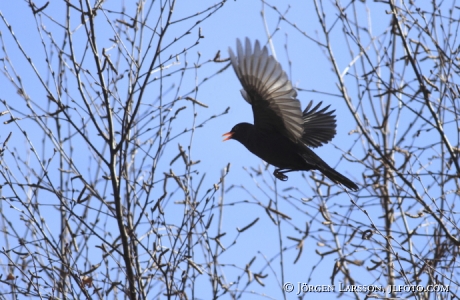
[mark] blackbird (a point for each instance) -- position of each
(281, 134)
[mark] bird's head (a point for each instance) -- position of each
(239, 132)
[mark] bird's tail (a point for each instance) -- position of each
(318, 164)
(337, 177)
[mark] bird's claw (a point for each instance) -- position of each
(279, 175)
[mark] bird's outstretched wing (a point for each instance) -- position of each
(267, 88)
(318, 125)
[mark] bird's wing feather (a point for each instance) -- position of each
(318, 125)
(268, 89)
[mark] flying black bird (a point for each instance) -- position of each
(281, 134)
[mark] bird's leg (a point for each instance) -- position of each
(279, 174)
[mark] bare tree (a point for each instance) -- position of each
(398, 237)
(97, 160)
(86, 198)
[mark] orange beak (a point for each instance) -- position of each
(228, 136)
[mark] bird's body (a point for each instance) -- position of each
(283, 153)
(281, 134)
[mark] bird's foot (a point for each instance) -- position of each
(280, 175)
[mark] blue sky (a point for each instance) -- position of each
(306, 63)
